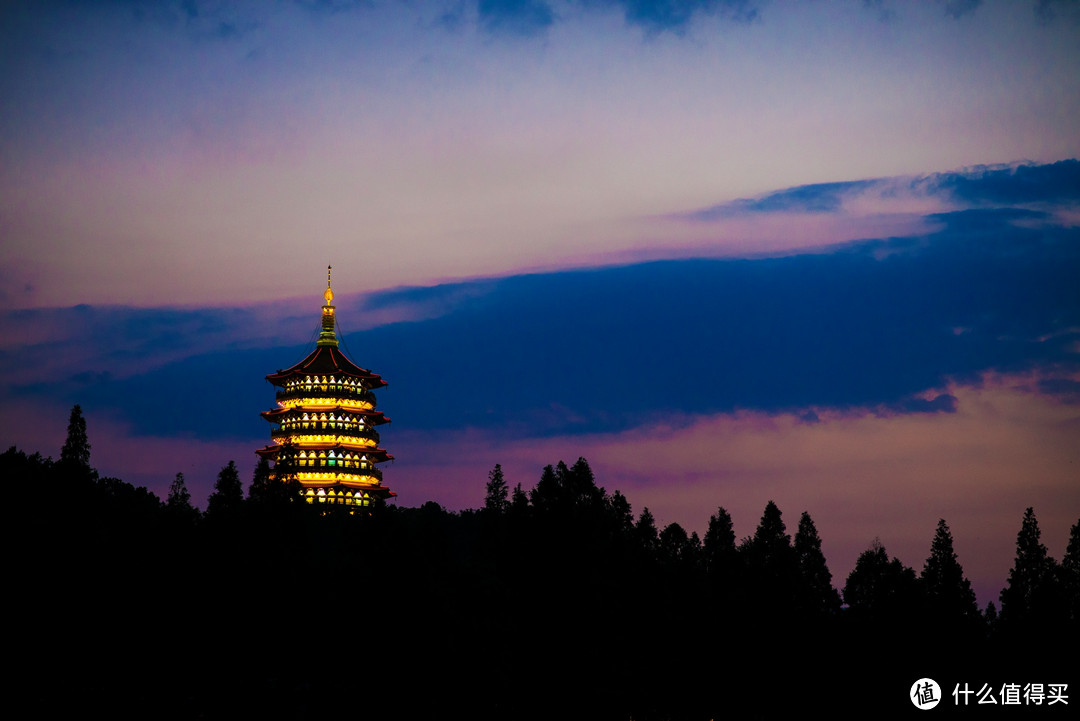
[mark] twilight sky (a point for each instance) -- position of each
(825, 253)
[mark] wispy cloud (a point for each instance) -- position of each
(815, 198)
(675, 15)
(517, 17)
(959, 8)
(1015, 185)
(535, 17)
(870, 327)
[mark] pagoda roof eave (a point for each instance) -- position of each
(376, 417)
(326, 360)
(272, 450)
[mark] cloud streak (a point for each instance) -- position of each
(1014, 185)
(877, 327)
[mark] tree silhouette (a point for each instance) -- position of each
(676, 548)
(1030, 576)
(496, 499)
(621, 514)
(719, 536)
(645, 531)
(508, 585)
(1071, 561)
(818, 594)
(879, 588)
(947, 590)
(990, 616)
(771, 543)
(519, 500)
(179, 497)
(546, 492)
(261, 481)
(273, 489)
(567, 493)
(771, 567)
(720, 559)
(178, 502)
(228, 495)
(581, 487)
(76, 450)
(1070, 571)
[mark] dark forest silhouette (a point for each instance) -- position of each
(550, 602)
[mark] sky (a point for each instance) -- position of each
(729, 252)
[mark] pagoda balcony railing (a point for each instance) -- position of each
(323, 465)
(326, 390)
(327, 428)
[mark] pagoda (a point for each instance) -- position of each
(324, 424)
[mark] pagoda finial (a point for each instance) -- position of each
(327, 335)
(329, 294)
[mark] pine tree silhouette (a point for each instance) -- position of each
(818, 594)
(948, 591)
(76, 450)
(228, 495)
(496, 499)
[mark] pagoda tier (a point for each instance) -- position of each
(337, 458)
(324, 433)
(328, 419)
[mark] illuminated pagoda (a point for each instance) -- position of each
(324, 433)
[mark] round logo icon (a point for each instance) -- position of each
(925, 694)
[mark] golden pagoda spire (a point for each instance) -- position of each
(327, 335)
